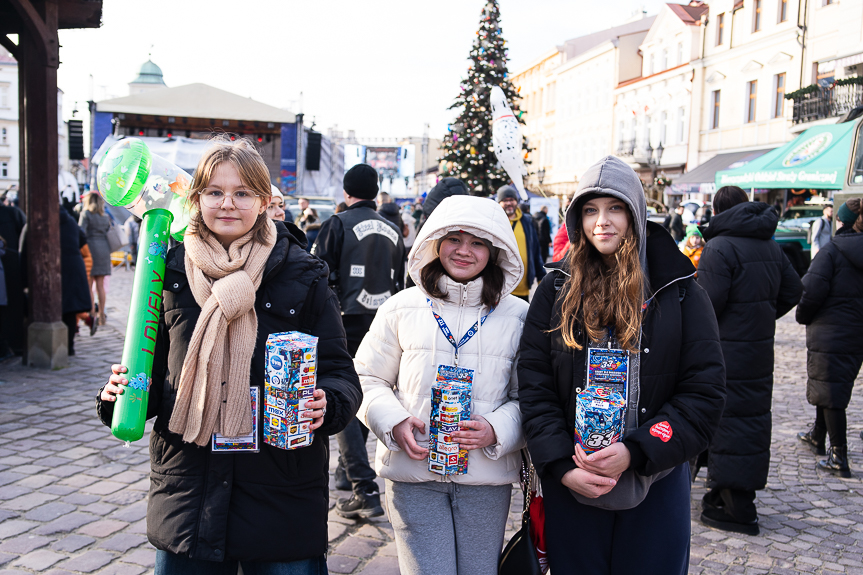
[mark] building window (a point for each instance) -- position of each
(752, 91)
(652, 60)
(680, 53)
(720, 29)
(663, 121)
(3, 136)
(664, 60)
(779, 105)
(756, 17)
(783, 10)
(714, 120)
(826, 2)
(4, 97)
(681, 125)
(4, 169)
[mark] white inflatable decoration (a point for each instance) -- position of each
(506, 136)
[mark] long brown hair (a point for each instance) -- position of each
(492, 281)
(253, 173)
(598, 295)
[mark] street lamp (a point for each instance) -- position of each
(541, 175)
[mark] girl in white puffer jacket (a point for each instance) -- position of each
(465, 262)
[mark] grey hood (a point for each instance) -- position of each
(610, 176)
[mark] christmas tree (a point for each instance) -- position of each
(467, 150)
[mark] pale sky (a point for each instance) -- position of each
(381, 67)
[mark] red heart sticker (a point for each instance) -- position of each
(662, 430)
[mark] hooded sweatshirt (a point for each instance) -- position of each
(611, 176)
(398, 359)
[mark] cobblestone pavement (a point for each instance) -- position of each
(73, 499)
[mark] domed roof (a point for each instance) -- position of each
(150, 73)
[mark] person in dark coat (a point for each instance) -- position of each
(442, 190)
(389, 210)
(676, 227)
(543, 228)
(832, 312)
(630, 503)
(208, 511)
(12, 221)
(73, 274)
(751, 284)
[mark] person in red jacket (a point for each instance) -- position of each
(561, 243)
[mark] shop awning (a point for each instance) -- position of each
(816, 159)
(701, 179)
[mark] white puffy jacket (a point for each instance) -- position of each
(397, 360)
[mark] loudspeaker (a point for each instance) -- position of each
(313, 152)
(76, 140)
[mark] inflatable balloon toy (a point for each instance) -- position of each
(155, 190)
(507, 140)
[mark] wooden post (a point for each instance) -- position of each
(39, 58)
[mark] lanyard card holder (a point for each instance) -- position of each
(243, 443)
(600, 408)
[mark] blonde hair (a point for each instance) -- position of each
(94, 203)
(253, 173)
(599, 295)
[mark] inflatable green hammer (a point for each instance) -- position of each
(155, 190)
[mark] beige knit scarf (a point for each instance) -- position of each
(214, 384)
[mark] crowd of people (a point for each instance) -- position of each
(395, 294)
(85, 262)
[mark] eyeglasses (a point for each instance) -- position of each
(214, 198)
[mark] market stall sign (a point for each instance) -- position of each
(816, 159)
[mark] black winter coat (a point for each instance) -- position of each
(75, 291)
(682, 378)
(832, 311)
(751, 284)
(73, 273)
(267, 506)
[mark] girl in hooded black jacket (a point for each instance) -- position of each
(624, 285)
(832, 312)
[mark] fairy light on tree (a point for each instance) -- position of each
(467, 150)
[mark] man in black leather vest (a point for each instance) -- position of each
(365, 254)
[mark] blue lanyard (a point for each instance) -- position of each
(448, 334)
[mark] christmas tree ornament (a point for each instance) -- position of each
(507, 139)
(155, 190)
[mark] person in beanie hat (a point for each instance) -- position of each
(693, 244)
(365, 254)
(527, 238)
(831, 311)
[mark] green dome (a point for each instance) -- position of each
(149, 74)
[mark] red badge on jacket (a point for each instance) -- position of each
(662, 430)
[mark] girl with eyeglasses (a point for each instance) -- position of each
(237, 277)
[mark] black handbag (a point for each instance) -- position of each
(519, 556)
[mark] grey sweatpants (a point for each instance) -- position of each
(447, 528)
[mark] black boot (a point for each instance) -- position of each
(837, 462)
(359, 505)
(814, 438)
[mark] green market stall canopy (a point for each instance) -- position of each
(816, 159)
